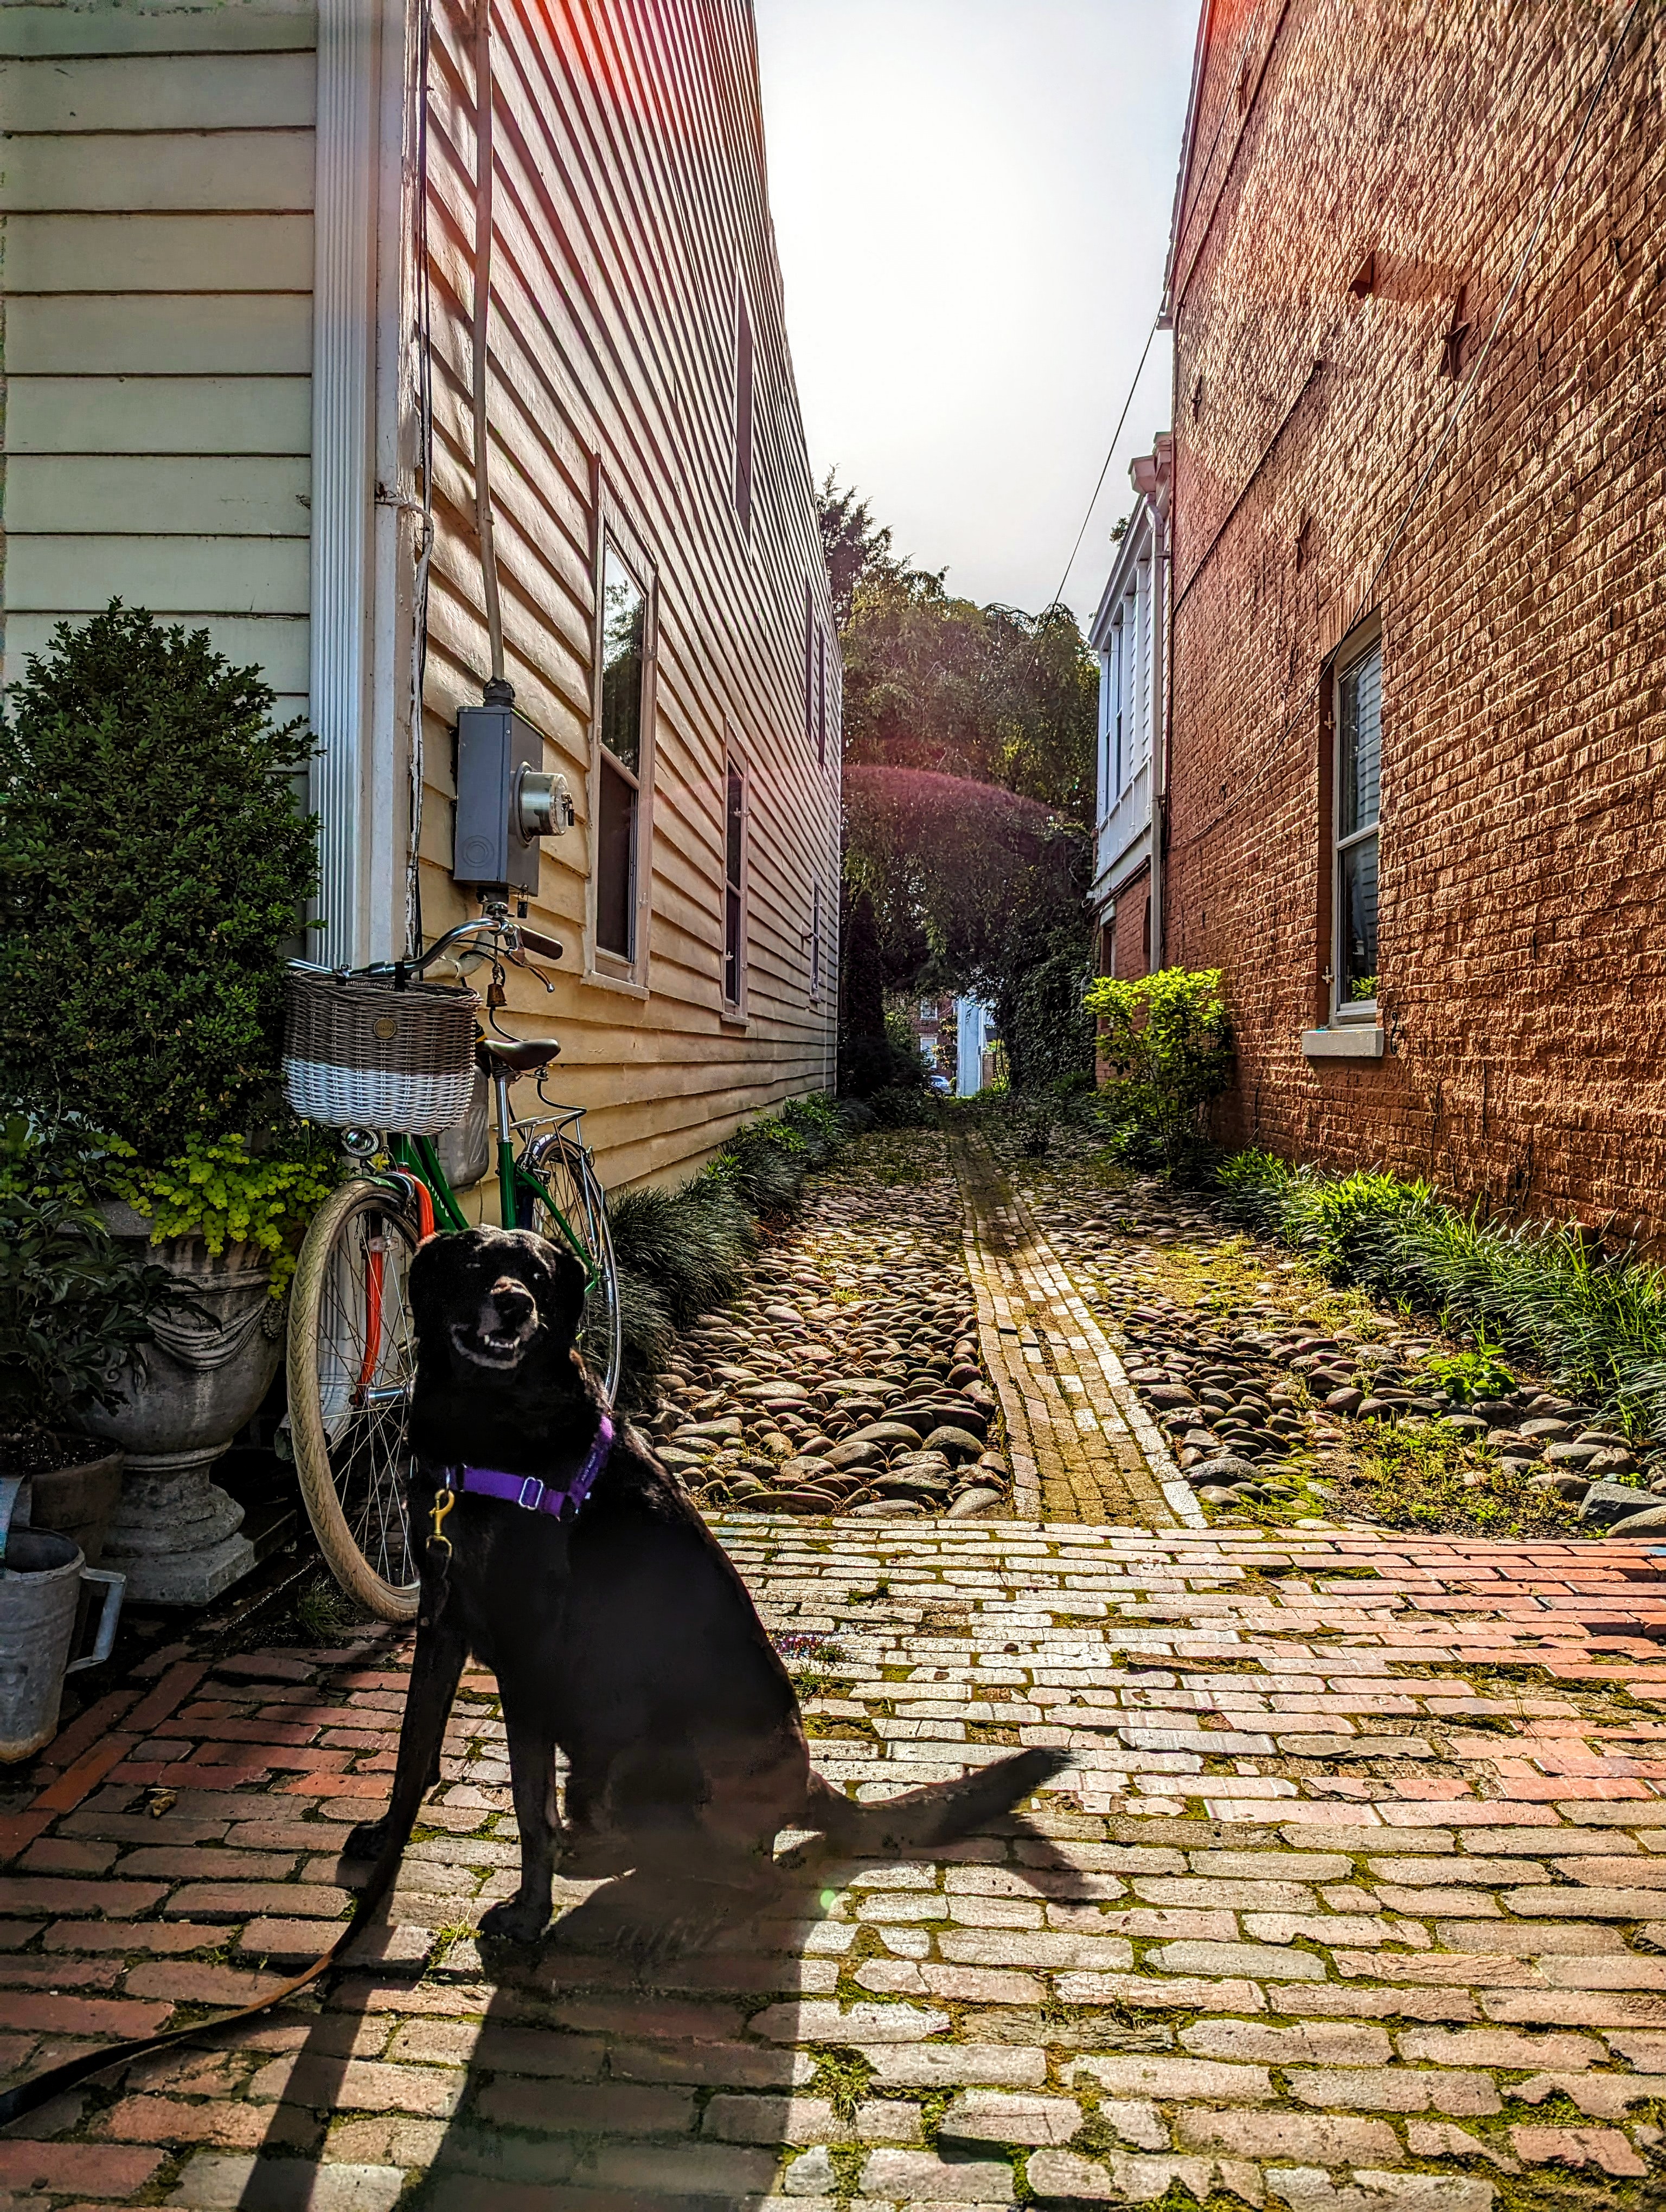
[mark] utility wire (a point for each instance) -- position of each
(1109, 457)
(1460, 407)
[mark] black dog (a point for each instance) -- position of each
(619, 1632)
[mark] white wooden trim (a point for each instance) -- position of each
(344, 305)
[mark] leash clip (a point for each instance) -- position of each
(444, 1499)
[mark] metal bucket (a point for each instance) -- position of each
(40, 1579)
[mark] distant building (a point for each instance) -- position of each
(975, 1031)
(1129, 634)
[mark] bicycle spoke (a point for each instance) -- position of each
(367, 1442)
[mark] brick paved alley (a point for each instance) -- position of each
(1352, 1897)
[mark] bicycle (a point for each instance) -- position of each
(352, 1355)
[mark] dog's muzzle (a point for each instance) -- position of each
(500, 1332)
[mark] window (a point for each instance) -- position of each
(815, 942)
(810, 630)
(821, 697)
(619, 756)
(734, 863)
(743, 410)
(1358, 711)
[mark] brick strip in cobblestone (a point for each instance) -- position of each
(1353, 1894)
(1083, 1447)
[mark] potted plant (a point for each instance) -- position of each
(154, 869)
(76, 1312)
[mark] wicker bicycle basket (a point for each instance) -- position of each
(358, 1053)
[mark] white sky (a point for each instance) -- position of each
(971, 201)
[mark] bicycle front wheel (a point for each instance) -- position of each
(567, 1174)
(352, 1361)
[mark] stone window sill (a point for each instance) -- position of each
(1346, 1041)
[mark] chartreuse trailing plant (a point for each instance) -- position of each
(1167, 1039)
(1547, 1293)
(681, 1252)
(215, 1189)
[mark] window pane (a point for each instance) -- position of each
(615, 863)
(624, 614)
(1358, 867)
(731, 946)
(1361, 720)
(733, 828)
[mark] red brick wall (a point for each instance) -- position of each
(1130, 938)
(1523, 612)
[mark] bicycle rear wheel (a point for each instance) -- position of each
(352, 1361)
(566, 1172)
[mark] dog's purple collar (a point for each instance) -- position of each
(527, 1490)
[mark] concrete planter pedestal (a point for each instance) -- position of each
(177, 1536)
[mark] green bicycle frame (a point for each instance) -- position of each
(518, 1187)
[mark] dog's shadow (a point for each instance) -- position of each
(646, 2049)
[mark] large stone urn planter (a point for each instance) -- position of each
(177, 1536)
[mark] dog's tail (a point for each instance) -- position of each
(940, 1813)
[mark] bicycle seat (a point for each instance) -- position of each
(514, 1056)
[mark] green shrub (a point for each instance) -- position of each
(1169, 1042)
(152, 865)
(1547, 1292)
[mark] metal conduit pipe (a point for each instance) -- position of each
(482, 303)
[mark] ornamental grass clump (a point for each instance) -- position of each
(1550, 1293)
(680, 1253)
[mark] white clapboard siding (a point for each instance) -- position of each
(146, 27)
(133, 336)
(150, 172)
(159, 493)
(134, 414)
(159, 91)
(188, 254)
(170, 575)
(159, 270)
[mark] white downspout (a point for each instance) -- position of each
(344, 321)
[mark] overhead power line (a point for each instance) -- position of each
(1109, 457)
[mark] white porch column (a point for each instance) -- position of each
(344, 464)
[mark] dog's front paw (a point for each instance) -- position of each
(516, 1920)
(367, 1841)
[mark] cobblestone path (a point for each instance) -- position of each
(1352, 1899)
(1082, 1446)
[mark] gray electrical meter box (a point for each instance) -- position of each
(505, 802)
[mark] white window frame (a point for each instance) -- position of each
(603, 965)
(743, 482)
(816, 949)
(1354, 650)
(734, 763)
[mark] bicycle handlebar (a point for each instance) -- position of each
(509, 936)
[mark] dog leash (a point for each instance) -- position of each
(491, 1482)
(29, 2096)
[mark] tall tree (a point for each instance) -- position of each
(969, 741)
